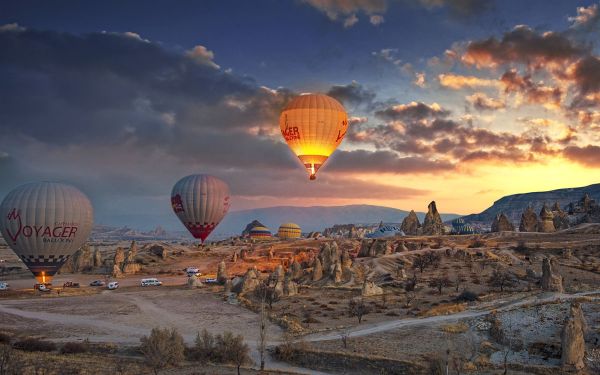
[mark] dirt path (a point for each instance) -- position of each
(400, 323)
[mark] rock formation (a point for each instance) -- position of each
(246, 283)
(561, 218)
(433, 225)
(337, 273)
(369, 288)
(546, 221)
(98, 258)
(529, 221)
(290, 288)
(502, 224)
(296, 270)
(194, 282)
(317, 272)
(411, 225)
(222, 276)
(550, 281)
(159, 251)
(374, 247)
(130, 266)
(345, 259)
(81, 261)
(572, 340)
(119, 256)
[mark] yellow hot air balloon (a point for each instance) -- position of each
(313, 126)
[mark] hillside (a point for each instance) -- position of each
(314, 218)
(514, 205)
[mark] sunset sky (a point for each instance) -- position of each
(458, 101)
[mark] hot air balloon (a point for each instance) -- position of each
(200, 201)
(313, 126)
(260, 233)
(289, 230)
(45, 223)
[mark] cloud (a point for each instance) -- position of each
(587, 18)
(203, 56)
(413, 111)
(534, 93)
(353, 95)
(482, 102)
(588, 155)
(361, 161)
(461, 8)
(376, 19)
(11, 27)
(523, 45)
(348, 10)
(124, 118)
(420, 80)
(457, 82)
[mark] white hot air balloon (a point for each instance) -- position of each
(45, 223)
(200, 202)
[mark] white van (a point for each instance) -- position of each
(192, 271)
(113, 285)
(151, 282)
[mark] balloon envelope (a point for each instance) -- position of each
(200, 202)
(289, 230)
(45, 223)
(313, 125)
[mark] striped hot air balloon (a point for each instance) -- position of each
(258, 233)
(45, 223)
(200, 201)
(289, 230)
(313, 125)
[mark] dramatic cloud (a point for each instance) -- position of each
(457, 82)
(588, 155)
(535, 93)
(482, 102)
(426, 132)
(523, 45)
(122, 116)
(354, 95)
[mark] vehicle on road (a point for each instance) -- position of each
(46, 288)
(151, 282)
(70, 284)
(192, 271)
(211, 280)
(97, 283)
(112, 285)
(3, 286)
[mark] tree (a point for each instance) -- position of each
(458, 280)
(420, 263)
(233, 349)
(162, 348)
(410, 296)
(439, 283)
(358, 308)
(267, 291)
(502, 279)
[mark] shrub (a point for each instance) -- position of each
(162, 348)
(74, 348)
(467, 296)
(437, 367)
(455, 328)
(204, 350)
(31, 344)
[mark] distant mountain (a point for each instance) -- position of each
(514, 205)
(315, 218)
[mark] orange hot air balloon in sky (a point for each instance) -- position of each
(313, 126)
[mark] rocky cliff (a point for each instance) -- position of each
(514, 205)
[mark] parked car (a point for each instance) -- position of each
(112, 285)
(3, 286)
(97, 283)
(192, 271)
(47, 288)
(151, 282)
(70, 284)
